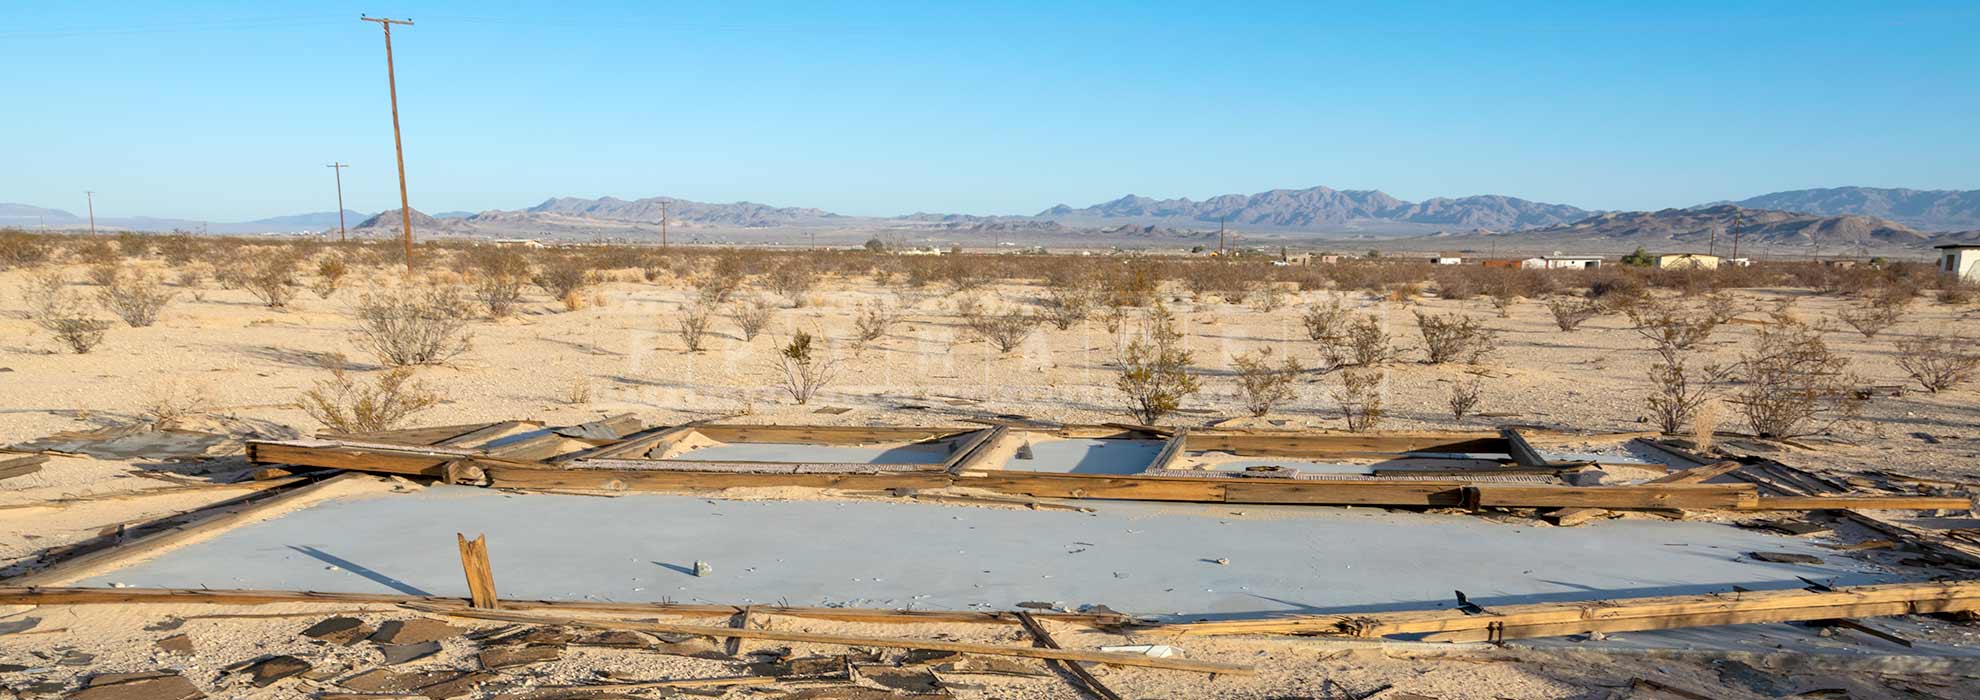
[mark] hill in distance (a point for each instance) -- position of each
(1925, 210)
(1692, 230)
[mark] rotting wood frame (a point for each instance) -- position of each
(622, 465)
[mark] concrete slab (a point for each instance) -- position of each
(1152, 559)
(838, 454)
(1087, 456)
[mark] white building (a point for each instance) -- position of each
(1562, 262)
(1961, 259)
(1449, 260)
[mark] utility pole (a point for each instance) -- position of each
(398, 144)
(1712, 249)
(1220, 236)
(91, 194)
(1736, 221)
(339, 169)
(663, 224)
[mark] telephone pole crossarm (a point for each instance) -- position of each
(398, 142)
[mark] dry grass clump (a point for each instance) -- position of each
(1263, 385)
(1266, 296)
(172, 400)
(751, 316)
(1154, 372)
(1792, 383)
(1939, 362)
(496, 276)
(104, 274)
(413, 326)
(137, 298)
(1360, 398)
(693, 324)
(1455, 338)
(1570, 312)
(1704, 427)
(346, 405)
(807, 367)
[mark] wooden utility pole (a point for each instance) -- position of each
(398, 144)
(91, 194)
(339, 169)
(663, 224)
(1736, 222)
(1220, 236)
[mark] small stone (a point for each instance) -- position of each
(1223, 562)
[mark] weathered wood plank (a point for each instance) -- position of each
(1680, 496)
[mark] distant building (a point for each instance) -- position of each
(1840, 264)
(1738, 262)
(517, 242)
(1562, 262)
(924, 250)
(1296, 259)
(1688, 261)
(1960, 259)
(1328, 258)
(1447, 260)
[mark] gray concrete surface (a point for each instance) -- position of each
(837, 454)
(1151, 559)
(1087, 456)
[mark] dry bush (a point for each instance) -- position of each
(1457, 283)
(1704, 427)
(21, 249)
(1368, 343)
(44, 292)
(267, 273)
(1793, 384)
(1872, 318)
(137, 298)
(1212, 280)
(413, 326)
(180, 248)
(693, 325)
(1570, 312)
(330, 274)
(71, 322)
(1360, 398)
(1154, 370)
(172, 400)
(718, 285)
(1952, 290)
(874, 318)
(1132, 283)
(1668, 325)
(751, 315)
(1263, 385)
(1455, 338)
(1722, 308)
(1678, 391)
(104, 274)
(1464, 398)
(1267, 296)
(1938, 362)
(1006, 330)
(564, 277)
(343, 404)
(1068, 305)
(806, 366)
(496, 276)
(793, 279)
(95, 251)
(1326, 324)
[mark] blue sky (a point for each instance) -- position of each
(228, 110)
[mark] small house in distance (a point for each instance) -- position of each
(1960, 259)
(1558, 261)
(1688, 261)
(1447, 259)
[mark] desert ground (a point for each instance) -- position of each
(222, 360)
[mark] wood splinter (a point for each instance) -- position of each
(480, 579)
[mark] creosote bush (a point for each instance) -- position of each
(873, 320)
(1360, 398)
(1570, 312)
(1006, 330)
(751, 316)
(496, 275)
(1154, 372)
(330, 273)
(807, 366)
(1939, 362)
(136, 297)
(1455, 338)
(1263, 385)
(1792, 383)
(344, 404)
(267, 273)
(1325, 323)
(1872, 318)
(413, 326)
(565, 277)
(1368, 343)
(693, 326)
(1464, 398)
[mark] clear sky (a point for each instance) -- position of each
(228, 110)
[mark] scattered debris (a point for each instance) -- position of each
(176, 644)
(269, 670)
(343, 631)
(137, 686)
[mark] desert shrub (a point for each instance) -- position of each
(1006, 330)
(72, 323)
(1457, 283)
(1722, 308)
(496, 276)
(1263, 385)
(718, 284)
(1678, 391)
(21, 249)
(330, 273)
(103, 274)
(751, 316)
(137, 298)
(1938, 362)
(180, 248)
(793, 279)
(1217, 280)
(44, 292)
(413, 326)
(1668, 324)
(1154, 372)
(1874, 317)
(565, 276)
(1132, 283)
(173, 400)
(1360, 398)
(1068, 305)
(873, 320)
(96, 251)
(693, 325)
(1570, 312)
(1267, 296)
(1464, 398)
(806, 366)
(267, 273)
(346, 405)
(1325, 324)
(1368, 343)
(1792, 383)
(1617, 289)
(1455, 338)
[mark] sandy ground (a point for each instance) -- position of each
(249, 362)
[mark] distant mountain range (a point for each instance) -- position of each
(1841, 216)
(1695, 229)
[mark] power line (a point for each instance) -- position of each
(398, 143)
(339, 168)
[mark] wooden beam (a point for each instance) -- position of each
(970, 445)
(206, 596)
(1087, 681)
(1865, 502)
(1334, 445)
(1137, 660)
(480, 574)
(1648, 496)
(990, 446)
(1624, 614)
(1569, 517)
(1171, 451)
(23, 465)
(490, 432)
(212, 519)
(431, 435)
(636, 446)
(1521, 450)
